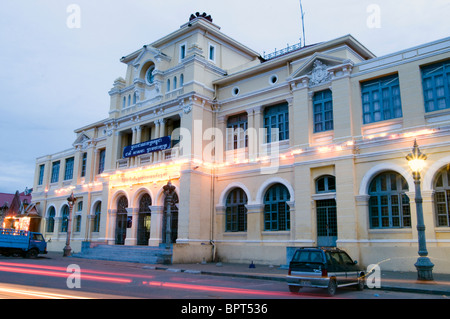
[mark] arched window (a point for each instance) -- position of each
(388, 203)
(65, 219)
(149, 76)
(98, 210)
(276, 209)
(442, 197)
(124, 104)
(174, 82)
(181, 80)
(134, 98)
(51, 220)
(236, 212)
(168, 85)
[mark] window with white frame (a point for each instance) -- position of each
(276, 121)
(212, 52)
(182, 51)
(381, 99)
(237, 131)
(323, 111)
(436, 86)
(68, 173)
(55, 172)
(236, 212)
(388, 204)
(41, 174)
(101, 161)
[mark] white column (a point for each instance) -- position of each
(156, 225)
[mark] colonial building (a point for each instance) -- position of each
(303, 147)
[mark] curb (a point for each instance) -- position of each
(414, 290)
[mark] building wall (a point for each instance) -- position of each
(206, 170)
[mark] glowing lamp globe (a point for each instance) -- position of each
(416, 159)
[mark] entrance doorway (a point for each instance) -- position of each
(144, 220)
(326, 222)
(121, 221)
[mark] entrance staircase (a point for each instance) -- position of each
(136, 254)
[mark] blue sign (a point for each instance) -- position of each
(151, 146)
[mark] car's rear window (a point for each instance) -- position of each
(308, 256)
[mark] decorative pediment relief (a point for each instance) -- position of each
(320, 69)
(82, 141)
(155, 54)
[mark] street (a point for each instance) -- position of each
(76, 278)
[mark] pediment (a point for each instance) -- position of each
(82, 140)
(152, 53)
(320, 68)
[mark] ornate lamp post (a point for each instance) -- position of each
(169, 190)
(67, 250)
(424, 266)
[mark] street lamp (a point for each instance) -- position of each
(169, 190)
(67, 250)
(424, 266)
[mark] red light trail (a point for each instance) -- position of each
(53, 271)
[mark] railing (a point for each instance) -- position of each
(122, 163)
(147, 159)
(282, 51)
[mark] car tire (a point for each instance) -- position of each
(332, 286)
(294, 289)
(32, 253)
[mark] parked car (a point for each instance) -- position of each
(327, 268)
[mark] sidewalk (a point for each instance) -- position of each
(390, 280)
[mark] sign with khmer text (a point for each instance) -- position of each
(151, 146)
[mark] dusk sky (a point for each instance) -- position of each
(55, 76)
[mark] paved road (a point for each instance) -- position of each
(58, 278)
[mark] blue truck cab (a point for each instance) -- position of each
(25, 243)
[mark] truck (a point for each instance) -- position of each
(21, 242)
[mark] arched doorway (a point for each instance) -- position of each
(144, 220)
(174, 220)
(121, 220)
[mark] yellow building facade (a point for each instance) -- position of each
(304, 147)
